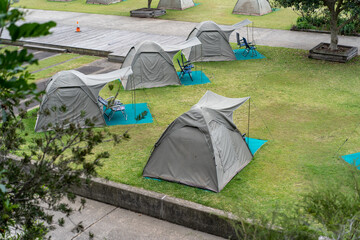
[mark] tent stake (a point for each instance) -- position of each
(249, 124)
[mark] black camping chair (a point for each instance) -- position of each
(249, 48)
(239, 41)
(114, 105)
(185, 67)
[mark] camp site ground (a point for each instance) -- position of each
(306, 109)
(293, 112)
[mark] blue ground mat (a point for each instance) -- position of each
(353, 159)
(254, 144)
(239, 55)
(132, 110)
(198, 77)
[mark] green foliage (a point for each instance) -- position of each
(141, 116)
(340, 13)
(324, 211)
(322, 22)
(339, 212)
(36, 182)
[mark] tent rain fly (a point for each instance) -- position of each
(79, 94)
(203, 147)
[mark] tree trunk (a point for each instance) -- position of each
(334, 29)
(149, 3)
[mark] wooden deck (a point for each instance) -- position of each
(118, 42)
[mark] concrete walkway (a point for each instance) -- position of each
(112, 223)
(117, 33)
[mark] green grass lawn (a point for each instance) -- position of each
(51, 65)
(305, 108)
(218, 11)
(66, 61)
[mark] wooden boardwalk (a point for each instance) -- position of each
(116, 34)
(118, 42)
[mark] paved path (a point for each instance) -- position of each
(117, 33)
(112, 223)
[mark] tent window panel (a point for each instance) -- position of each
(76, 101)
(224, 145)
(211, 44)
(243, 153)
(152, 67)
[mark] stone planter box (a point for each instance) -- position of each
(147, 12)
(344, 54)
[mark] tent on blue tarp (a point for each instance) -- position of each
(176, 4)
(79, 94)
(203, 147)
(214, 40)
(152, 64)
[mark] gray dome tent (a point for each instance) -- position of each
(152, 64)
(175, 4)
(214, 40)
(252, 7)
(203, 147)
(79, 93)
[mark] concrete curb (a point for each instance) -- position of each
(321, 31)
(53, 47)
(175, 210)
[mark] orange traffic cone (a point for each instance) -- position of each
(77, 27)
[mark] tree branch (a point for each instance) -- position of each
(348, 21)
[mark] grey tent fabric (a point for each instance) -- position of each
(176, 4)
(152, 64)
(203, 147)
(252, 7)
(188, 44)
(79, 94)
(214, 40)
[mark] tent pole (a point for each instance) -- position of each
(252, 32)
(249, 123)
(134, 98)
(247, 32)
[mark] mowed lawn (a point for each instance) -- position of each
(305, 108)
(66, 61)
(48, 66)
(218, 11)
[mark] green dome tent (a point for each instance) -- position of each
(203, 147)
(176, 4)
(252, 7)
(152, 64)
(79, 94)
(214, 40)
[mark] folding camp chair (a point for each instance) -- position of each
(239, 41)
(185, 67)
(249, 48)
(114, 105)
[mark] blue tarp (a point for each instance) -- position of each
(239, 55)
(198, 78)
(254, 144)
(353, 159)
(132, 110)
